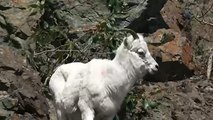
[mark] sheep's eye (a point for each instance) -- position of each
(141, 53)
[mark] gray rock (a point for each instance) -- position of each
(87, 14)
(18, 14)
(20, 19)
(9, 103)
(4, 114)
(18, 3)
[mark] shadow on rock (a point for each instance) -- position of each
(150, 19)
(170, 71)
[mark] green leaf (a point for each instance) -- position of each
(153, 104)
(146, 106)
(42, 2)
(34, 12)
(34, 6)
(111, 3)
(149, 104)
(45, 25)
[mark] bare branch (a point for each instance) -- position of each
(204, 13)
(203, 22)
(209, 68)
(55, 50)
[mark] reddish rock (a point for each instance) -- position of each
(173, 52)
(15, 117)
(174, 48)
(172, 14)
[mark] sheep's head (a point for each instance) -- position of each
(140, 55)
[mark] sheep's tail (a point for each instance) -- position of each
(57, 83)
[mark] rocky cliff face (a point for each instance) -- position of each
(33, 33)
(21, 90)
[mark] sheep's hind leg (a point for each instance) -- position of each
(87, 113)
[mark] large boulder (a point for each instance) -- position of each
(172, 14)
(171, 45)
(173, 53)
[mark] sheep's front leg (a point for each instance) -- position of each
(87, 112)
(60, 114)
(59, 111)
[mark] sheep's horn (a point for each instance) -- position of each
(133, 33)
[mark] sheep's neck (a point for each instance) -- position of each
(122, 59)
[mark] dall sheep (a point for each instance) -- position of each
(95, 90)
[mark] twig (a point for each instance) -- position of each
(203, 22)
(198, 18)
(209, 67)
(54, 50)
(84, 29)
(206, 39)
(203, 14)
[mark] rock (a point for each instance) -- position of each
(9, 103)
(133, 15)
(18, 14)
(176, 115)
(172, 15)
(18, 20)
(84, 14)
(209, 89)
(4, 114)
(23, 93)
(172, 50)
(3, 32)
(9, 61)
(3, 94)
(174, 46)
(88, 14)
(15, 117)
(17, 3)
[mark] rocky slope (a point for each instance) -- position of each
(38, 35)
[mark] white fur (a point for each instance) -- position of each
(95, 90)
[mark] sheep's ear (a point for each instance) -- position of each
(134, 35)
(127, 44)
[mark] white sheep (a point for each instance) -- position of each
(95, 90)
